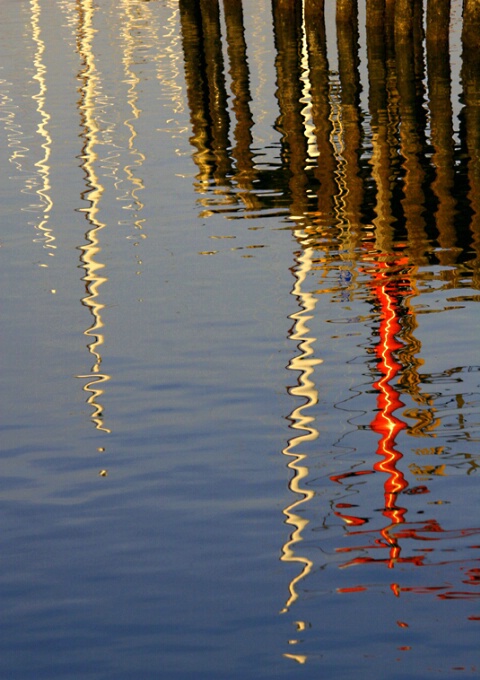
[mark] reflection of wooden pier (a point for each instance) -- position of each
(414, 160)
(389, 188)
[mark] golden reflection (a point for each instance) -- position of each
(90, 85)
(43, 165)
(384, 193)
(131, 170)
(304, 363)
(245, 173)
(206, 92)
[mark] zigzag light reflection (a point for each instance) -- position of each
(386, 424)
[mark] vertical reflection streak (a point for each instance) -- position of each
(132, 80)
(43, 165)
(90, 84)
(245, 174)
(301, 421)
(386, 423)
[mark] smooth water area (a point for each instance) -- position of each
(240, 370)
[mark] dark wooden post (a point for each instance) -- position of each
(287, 21)
(412, 142)
(349, 179)
(471, 24)
(237, 53)
(321, 114)
(441, 123)
(382, 144)
(346, 10)
(375, 14)
(207, 96)
(471, 118)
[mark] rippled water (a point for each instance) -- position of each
(240, 252)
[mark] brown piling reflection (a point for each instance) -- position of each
(471, 123)
(471, 25)
(382, 137)
(351, 196)
(245, 173)
(288, 29)
(441, 122)
(409, 70)
(207, 96)
(321, 112)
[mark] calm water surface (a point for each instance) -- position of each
(240, 253)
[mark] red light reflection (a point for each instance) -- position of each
(390, 285)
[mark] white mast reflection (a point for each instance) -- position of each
(43, 192)
(301, 421)
(90, 80)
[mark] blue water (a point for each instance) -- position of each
(239, 368)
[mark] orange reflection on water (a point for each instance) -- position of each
(386, 423)
(390, 291)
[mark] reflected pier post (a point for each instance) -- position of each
(471, 116)
(441, 113)
(409, 63)
(377, 46)
(288, 30)
(237, 53)
(207, 95)
(321, 110)
(348, 67)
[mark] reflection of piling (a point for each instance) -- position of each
(471, 116)
(403, 18)
(321, 110)
(348, 69)
(378, 106)
(206, 91)
(346, 10)
(441, 114)
(287, 21)
(409, 85)
(471, 24)
(376, 14)
(237, 53)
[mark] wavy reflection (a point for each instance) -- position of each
(90, 82)
(36, 180)
(381, 188)
(388, 293)
(304, 363)
(43, 165)
(132, 169)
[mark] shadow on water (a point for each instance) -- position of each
(383, 203)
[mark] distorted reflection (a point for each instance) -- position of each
(135, 184)
(304, 363)
(90, 81)
(385, 197)
(24, 146)
(43, 164)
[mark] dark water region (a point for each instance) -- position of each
(240, 257)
